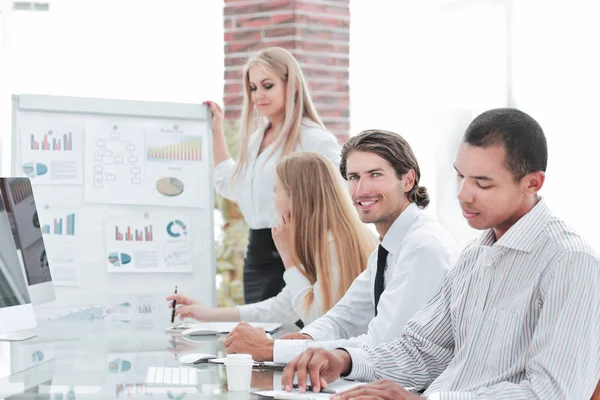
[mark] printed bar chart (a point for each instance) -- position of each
(186, 150)
(134, 235)
(57, 226)
(66, 144)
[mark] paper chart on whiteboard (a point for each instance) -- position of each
(52, 151)
(159, 164)
(149, 245)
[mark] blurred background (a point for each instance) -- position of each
(423, 69)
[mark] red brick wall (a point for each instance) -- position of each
(315, 31)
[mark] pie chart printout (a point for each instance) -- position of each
(32, 169)
(169, 186)
(118, 259)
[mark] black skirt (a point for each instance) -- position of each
(263, 267)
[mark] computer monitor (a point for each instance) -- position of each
(16, 311)
(19, 202)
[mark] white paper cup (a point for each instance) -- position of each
(239, 372)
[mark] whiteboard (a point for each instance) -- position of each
(124, 192)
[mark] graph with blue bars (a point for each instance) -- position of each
(52, 143)
(57, 227)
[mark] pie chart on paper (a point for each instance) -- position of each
(118, 259)
(169, 186)
(32, 169)
(117, 365)
(176, 228)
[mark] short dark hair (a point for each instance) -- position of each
(521, 136)
(394, 149)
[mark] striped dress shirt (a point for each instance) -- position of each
(517, 318)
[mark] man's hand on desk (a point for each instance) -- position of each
(384, 389)
(320, 365)
(245, 338)
(296, 336)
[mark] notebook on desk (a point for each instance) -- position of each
(226, 327)
(221, 327)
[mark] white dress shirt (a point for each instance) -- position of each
(517, 318)
(253, 188)
(288, 306)
(421, 252)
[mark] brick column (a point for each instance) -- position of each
(315, 31)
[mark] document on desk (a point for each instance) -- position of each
(295, 394)
(226, 327)
(338, 386)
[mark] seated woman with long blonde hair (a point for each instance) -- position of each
(323, 244)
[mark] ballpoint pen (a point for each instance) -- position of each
(173, 311)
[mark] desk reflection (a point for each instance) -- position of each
(89, 359)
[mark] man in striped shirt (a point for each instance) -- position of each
(519, 315)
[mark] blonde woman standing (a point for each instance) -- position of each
(278, 118)
(322, 242)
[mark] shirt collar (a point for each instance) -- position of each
(393, 237)
(522, 234)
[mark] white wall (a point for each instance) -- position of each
(123, 49)
(426, 69)
(557, 80)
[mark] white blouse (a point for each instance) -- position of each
(253, 189)
(288, 305)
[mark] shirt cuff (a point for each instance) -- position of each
(295, 281)
(285, 351)
(362, 368)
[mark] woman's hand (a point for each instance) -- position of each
(191, 308)
(220, 151)
(217, 117)
(282, 238)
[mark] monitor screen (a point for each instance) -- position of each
(13, 289)
(17, 196)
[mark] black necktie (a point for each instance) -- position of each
(381, 260)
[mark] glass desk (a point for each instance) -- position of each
(96, 360)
